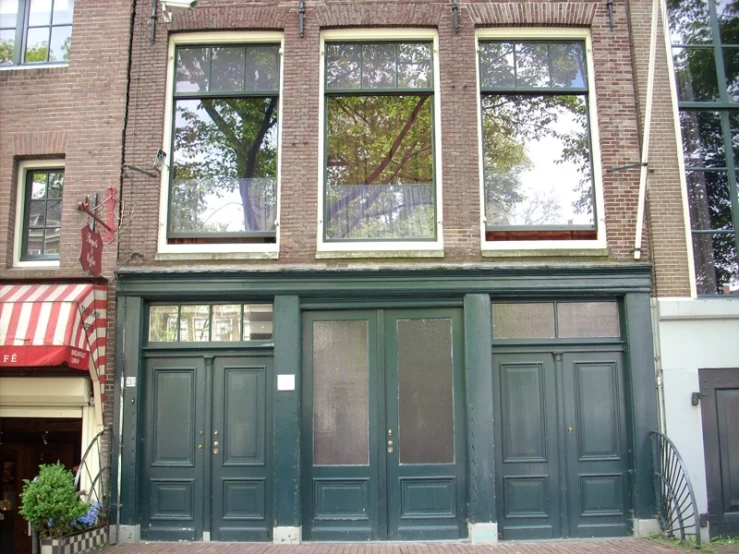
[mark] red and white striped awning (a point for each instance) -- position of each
(54, 325)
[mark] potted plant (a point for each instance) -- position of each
(64, 523)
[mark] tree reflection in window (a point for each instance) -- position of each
(705, 50)
(536, 139)
(224, 168)
(379, 181)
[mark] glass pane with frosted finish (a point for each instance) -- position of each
(695, 72)
(8, 13)
(195, 323)
(40, 12)
(568, 64)
(340, 393)
(497, 65)
(163, 323)
(587, 319)
(37, 45)
(61, 43)
(703, 139)
(258, 321)
(63, 11)
(715, 258)
(532, 64)
(226, 322)
(378, 66)
(193, 71)
(425, 391)
(414, 66)
(227, 70)
(263, 68)
(7, 46)
(523, 321)
(343, 66)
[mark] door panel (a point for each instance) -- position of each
(720, 412)
(173, 474)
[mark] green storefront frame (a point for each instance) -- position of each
(296, 291)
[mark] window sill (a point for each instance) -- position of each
(30, 66)
(215, 256)
(362, 254)
(37, 265)
(535, 249)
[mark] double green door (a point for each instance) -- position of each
(206, 455)
(383, 413)
(562, 452)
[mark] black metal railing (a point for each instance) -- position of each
(97, 486)
(677, 510)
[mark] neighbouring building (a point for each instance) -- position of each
(63, 84)
(378, 276)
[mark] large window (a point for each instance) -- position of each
(705, 50)
(41, 218)
(538, 178)
(35, 31)
(223, 177)
(379, 181)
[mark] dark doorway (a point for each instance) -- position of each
(26, 443)
(720, 414)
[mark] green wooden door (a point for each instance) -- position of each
(206, 471)
(562, 453)
(384, 414)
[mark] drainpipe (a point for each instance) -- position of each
(659, 373)
(647, 131)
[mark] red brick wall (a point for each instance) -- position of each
(614, 77)
(76, 113)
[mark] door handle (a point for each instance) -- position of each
(215, 451)
(215, 443)
(200, 447)
(570, 430)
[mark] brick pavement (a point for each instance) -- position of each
(560, 547)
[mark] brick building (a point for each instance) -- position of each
(383, 285)
(63, 85)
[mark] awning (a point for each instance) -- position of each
(54, 325)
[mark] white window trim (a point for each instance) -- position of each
(371, 248)
(211, 250)
(20, 198)
(491, 248)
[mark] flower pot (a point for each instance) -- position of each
(77, 543)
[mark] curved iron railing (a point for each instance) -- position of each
(677, 510)
(97, 491)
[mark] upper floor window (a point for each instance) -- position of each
(40, 219)
(705, 52)
(223, 174)
(35, 31)
(538, 170)
(379, 168)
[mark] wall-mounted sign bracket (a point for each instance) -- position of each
(109, 202)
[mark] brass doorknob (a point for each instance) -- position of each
(570, 430)
(389, 443)
(215, 451)
(389, 449)
(215, 443)
(200, 447)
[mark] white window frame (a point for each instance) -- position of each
(214, 250)
(20, 197)
(369, 248)
(597, 247)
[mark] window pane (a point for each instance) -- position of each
(695, 71)
(537, 161)
(715, 263)
(194, 323)
(61, 43)
(378, 66)
(343, 66)
(497, 65)
(727, 21)
(63, 10)
(709, 200)
(258, 322)
(37, 213)
(340, 393)
(53, 213)
(34, 242)
(38, 185)
(414, 66)
(690, 22)
(532, 64)
(40, 13)
(262, 68)
(731, 67)
(56, 184)
(8, 13)
(224, 166)
(568, 64)
(703, 141)
(7, 46)
(587, 319)
(51, 241)
(226, 322)
(192, 70)
(163, 323)
(37, 45)
(523, 321)
(425, 391)
(227, 69)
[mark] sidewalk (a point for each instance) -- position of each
(561, 547)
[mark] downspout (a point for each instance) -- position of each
(644, 169)
(119, 471)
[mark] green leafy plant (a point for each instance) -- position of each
(50, 503)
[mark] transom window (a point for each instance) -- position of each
(556, 320)
(223, 179)
(705, 51)
(35, 31)
(210, 322)
(379, 154)
(536, 144)
(42, 215)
